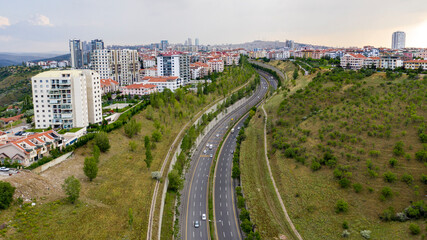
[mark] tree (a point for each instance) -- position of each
(156, 136)
(148, 157)
(174, 180)
(341, 206)
(90, 168)
(96, 153)
(295, 75)
(147, 142)
(71, 187)
(6, 194)
(132, 128)
(414, 228)
(149, 113)
(133, 146)
(102, 141)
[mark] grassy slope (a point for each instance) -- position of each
(311, 197)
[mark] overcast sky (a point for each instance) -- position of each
(46, 25)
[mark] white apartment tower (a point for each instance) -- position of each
(174, 64)
(76, 53)
(120, 65)
(398, 40)
(66, 99)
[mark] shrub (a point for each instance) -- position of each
(156, 136)
(341, 206)
(315, 165)
(401, 217)
(345, 225)
(407, 178)
(393, 162)
(398, 149)
(71, 187)
(366, 234)
(102, 141)
(389, 177)
(374, 153)
(174, 180)
(156, 175)
(423, 137)
(387, 214)
(424, 178)
(96, 152)
(132, 128)
(344, 183)
(357, 187)
(338, 174)
(386, 193)
(90, 168)
(421, 155)
(6, 194)
(240, 202)
(244, 214)
(345, 233)
(414, 228)
(133, 146)
(235, 172)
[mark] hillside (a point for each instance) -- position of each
(354, 138)
(8, 59)
(15, 83)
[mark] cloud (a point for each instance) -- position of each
(4, 21)
(40, 20)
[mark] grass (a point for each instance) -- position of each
(169, 211)
(310, 197)
(260, 196)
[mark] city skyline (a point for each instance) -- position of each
(47, 26)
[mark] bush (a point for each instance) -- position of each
(389, 177)
(344, 183)
(133, 146)
(156, 175)
(174, 180)
(357, 187)
(421, 155)
(398, 149)
(71, 187)
(345, 225)
(345, 233)
(341, 206)
(235, 171)
(423, 137)
(132, 128)
(386, 193)
(366, 234)
(414, 228)
(96, 153)
(244, 214)
(156, 136)
(424, 178)
(315, 165)
(393, 162)
(6, 194)
(90, 168)
(240, 202)
(102, 141)
(407, 178)
(388, 214)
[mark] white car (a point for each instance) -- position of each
(204, 151)
(211, 155)
(196, 224)
(217, 135)
(204, 217)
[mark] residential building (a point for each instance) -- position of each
(416, 64)
(196, 42)
(372, 62)
(97, 44)
(164, 44)
(109, 85)
(125, 66)
(101, 62)
(398, 40)
(163, 82)
(352, 61)
(216, 65)
(148, 62)
(27, 150)
(139, 89)
(390, 62)
(66, 99)
(174, 64)
(199, 70)
(76, 53)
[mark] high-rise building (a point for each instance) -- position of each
(66, 99)
(290, 44)
(100, 62)
(190, 42)
(76, 53)
(196, 42)
(398, 40)
(174, 64)
(96, 44)
(164, 45)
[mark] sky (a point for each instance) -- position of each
(47, 25)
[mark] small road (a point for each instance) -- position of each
(196, 189)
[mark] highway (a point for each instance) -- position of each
(225, 211)
(195, 193)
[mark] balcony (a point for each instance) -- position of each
(67, 116)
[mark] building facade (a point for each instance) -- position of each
(174, 64)
(66, 99)
(398, 40)
(139, 89)
(163, 82)
(76, 53)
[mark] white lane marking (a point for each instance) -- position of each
(229, 224)
(226, 204)
(220, 196)
(220, 204)
(220, 212)
(193, 234)
(231, 234)
(194, 204)
(200, 233)
(200, 195)
(193, 213)
(223, 233)
(194, 196)
(200, 204)
(227, 213)
(201, 188)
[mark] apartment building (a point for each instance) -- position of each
(66, 99)
(353, 61)
(390, 62)
(76, 53)
(216, 65)
(199, 70)
(109, 85)
(416, 64)
(101, 62)
(398, 40)
(139, 89)
(174, 64)
(163, 82)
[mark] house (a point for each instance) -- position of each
(353, 61)
(139, 89)
(199, 70)
(163, 82)
(11, 119)
(390, 62)
(216, 65)
(109, 85)
(416, 64)
(29, 149)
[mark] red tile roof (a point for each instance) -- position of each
(108, 82)
(416, 61)
(14, 118)
(159, 79)
(139, 86)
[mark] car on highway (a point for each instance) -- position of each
(4, 169)
(204, 217)
(204, 151)
(196, 224)
(210, 147)
(211, 155)
(238, 128)
(217, 135)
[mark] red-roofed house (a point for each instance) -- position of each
(139, 89)
(216, 65)
(415, 64)
(11, 119)
(163, 82)
(199, 70)
(109, 85)
(29, 149)
(353, 61)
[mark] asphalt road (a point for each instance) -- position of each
(226, 217)
(196, 185)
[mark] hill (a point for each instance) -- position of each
(57, 58)
(347, 150)
(8, 59)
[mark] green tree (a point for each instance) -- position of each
(147, 142)
(96, 153)
(71, 187)
(6, 194)
(174, 180)
(130, 213)
(149, 112)
(414, 228)
(132, 128)
(90, 168)
(341, 206)
(102, 141)
(133, 146)
(148, 157)
(156, 136)
(295, 75)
